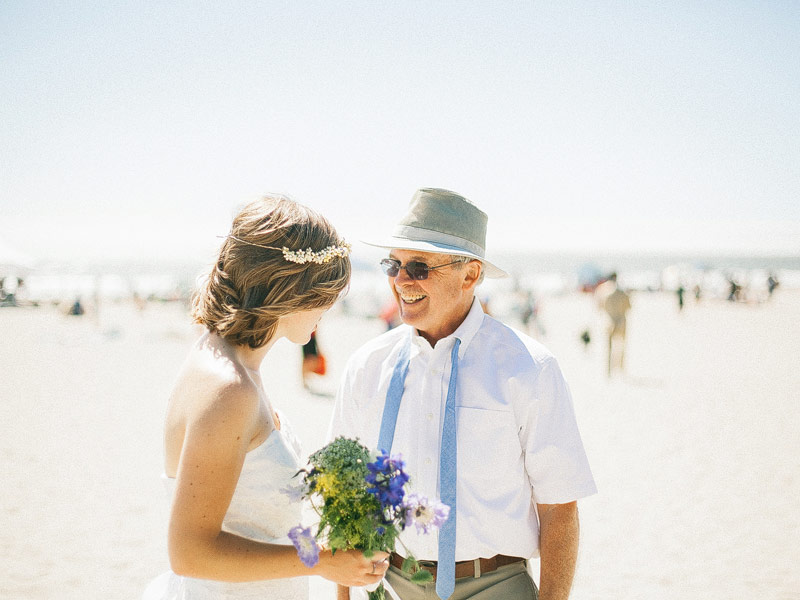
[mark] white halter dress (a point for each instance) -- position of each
(262, 508)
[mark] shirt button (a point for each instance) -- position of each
(429, 416)
(427, 461)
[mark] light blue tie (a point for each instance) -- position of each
(393, 397)
(448, 466)
(448, 459)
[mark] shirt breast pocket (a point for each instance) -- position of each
(488, 447)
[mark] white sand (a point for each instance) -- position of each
(695, 450)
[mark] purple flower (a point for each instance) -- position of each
(423, 514)
(387, 478)
(306, 546)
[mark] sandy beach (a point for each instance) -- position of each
(695, 448)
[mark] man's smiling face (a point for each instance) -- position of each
(435, 306)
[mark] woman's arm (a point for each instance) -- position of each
(214, 447)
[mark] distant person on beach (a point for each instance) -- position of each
(734, 290)
(772, 283)
(616, 303)
(313, 360)
(8, 290)
(390, 315)
(455, 378)
(229, 455)
(76, 308)
(529, 315)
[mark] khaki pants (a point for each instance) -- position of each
(512, 582)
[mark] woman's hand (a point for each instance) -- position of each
(351, 568)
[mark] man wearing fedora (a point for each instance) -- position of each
(480, 413)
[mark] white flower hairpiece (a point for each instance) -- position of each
(319, 257)
(305, 256)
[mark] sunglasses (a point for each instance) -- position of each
(416, 270)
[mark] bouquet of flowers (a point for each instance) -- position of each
(362, 504)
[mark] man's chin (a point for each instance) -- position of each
(412, 320)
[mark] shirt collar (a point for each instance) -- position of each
(465, 332)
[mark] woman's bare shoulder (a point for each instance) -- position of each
(211, 400)
(206, 388)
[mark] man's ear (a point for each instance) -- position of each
(472, 274)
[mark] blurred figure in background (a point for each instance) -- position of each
(772, 283)
(313, 359)
(734, 290)
(616, 303)
(529, 314)
(390, 314)
(76, 308)
(485, 300)
(8, 290)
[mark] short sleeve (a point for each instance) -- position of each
(555, 460)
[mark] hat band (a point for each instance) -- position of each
(437, 237)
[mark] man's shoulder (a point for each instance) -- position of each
(515, 346)
(521, 362)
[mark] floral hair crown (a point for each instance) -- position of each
(304, 256)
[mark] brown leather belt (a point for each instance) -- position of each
(466, 568)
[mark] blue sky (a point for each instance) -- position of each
(134, 129)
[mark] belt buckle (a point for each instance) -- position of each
(427, 564)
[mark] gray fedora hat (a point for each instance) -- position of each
(443, 222)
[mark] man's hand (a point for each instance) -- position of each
(558, 542)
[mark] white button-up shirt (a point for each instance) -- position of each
(518, 441)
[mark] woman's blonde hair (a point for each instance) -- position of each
(253, 283)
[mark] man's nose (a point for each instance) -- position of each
(402, 276)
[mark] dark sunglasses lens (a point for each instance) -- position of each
(390, 267)
(417, 270)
